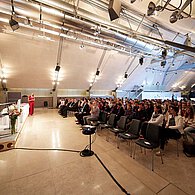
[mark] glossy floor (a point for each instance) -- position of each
(61, 172)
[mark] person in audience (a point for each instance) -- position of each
(148, 111)
(31, 101)
(188, 114)
(106, 107)
(85, 110)
(95, 111)
(140, 113)
(173, 128)
(157, 118)
(114, 108)
(120, 111)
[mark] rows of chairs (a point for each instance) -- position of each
(130, 135)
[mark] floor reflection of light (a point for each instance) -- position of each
(55, 139)
(3, 163)
(97, 187)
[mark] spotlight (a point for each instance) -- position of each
(177, 14)
(151, 8)
(164, 53)
(13, 24)
(173, 17)
(126, 75)
(132, 1)
(57, 69)
(82, 46)
(141, 61)
(163, 63)
(97, 72)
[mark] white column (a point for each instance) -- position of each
(54, 98)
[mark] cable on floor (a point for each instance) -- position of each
(49, 149)
(110, 174)
(80, 152)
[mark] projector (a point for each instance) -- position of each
(88, 129)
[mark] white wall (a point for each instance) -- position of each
(160, 95)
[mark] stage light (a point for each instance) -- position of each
(97, 72)
(132, 1)
(163, 63)
(141, 61)
(164, 53)
(151, 8)
(176, 15)
(173, 17)
(13, 24)
(82, 46)
(57, 69)
(126, 75)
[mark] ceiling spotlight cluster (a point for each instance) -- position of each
(177, 12)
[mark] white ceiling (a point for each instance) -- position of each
(29, 61)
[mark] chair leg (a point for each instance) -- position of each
(134, 151)
(118, 142)
(161, 157)
(131, 147)
(177, 147)
(152, 160)
(107, 136)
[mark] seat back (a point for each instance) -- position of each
(121, 124)
(111, 120)
(103, 116)
(134, 127)
(153, 134)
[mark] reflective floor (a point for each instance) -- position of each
(59, 172)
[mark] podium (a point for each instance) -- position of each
(88, 130)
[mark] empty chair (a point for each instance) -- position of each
(151, 141)
(121, 127)
(131, 134)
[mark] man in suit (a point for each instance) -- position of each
(85, 110)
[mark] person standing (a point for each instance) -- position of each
(31, 101)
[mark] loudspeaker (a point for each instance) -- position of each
(114, 9)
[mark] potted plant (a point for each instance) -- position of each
(13, 115)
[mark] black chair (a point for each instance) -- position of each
(102, 120)
(121, 127)
(110, 123)
(131, 134)
(152, 140)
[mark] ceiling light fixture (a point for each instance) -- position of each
(164, 53)
(126, 75)
(141, 61)
(152, 7)
(82, 46)
(176, 15)
(132, 1)
(13, 23)
(57, 69)
(163, 63)
(97, 72)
